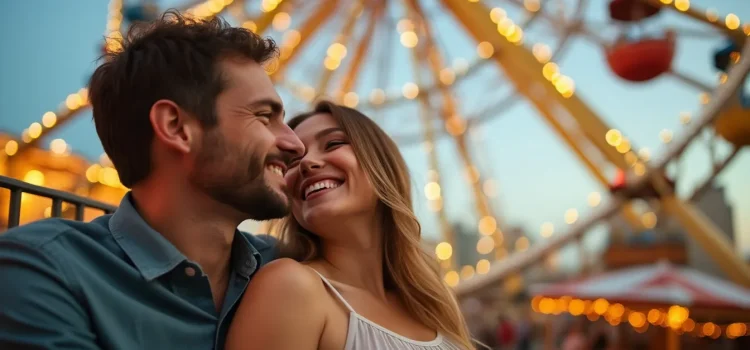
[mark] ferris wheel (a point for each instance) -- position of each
(432, 73)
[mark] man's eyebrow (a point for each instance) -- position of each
(276, 106)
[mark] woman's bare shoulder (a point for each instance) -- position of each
(288, 278)
(280, 309)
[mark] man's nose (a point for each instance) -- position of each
(288, 142)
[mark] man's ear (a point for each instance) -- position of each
(172, 126)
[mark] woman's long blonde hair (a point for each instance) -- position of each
(408, 269)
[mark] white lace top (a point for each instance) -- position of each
(364, 334)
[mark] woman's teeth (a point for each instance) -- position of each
(320, 185)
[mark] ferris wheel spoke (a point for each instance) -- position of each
(687, 214)
(454, 122)
(693, 33)
(334, 57)
(690, 80)
(426, 114)
(359, 58)
(290, 50)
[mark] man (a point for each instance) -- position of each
(195, 128)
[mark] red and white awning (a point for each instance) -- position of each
(660, 283)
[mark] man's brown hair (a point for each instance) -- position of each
(174, 58)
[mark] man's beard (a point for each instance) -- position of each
(237, 180)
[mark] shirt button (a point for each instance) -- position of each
(190, 271)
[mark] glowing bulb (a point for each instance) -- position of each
(337, 51)
(483, 266)
(34, 177)
(485, 245)
(49, 119)
(377, 96)
(571, 215)
(666, 136)
(682, 5)
(58, 146)
(35, 130)
(489, 188)
(594, 199)
(351, 99)
(11, 147)
(613, 137)
(541, 52)
(447, 76)
(547, 229)
(497, 14)
(487, 225)
(732, 21)
(405, 25)
(467, 272)
(281, 21)
(409, 39)
(451, 278)
(485, 50)
(432, 190)
(444, 250)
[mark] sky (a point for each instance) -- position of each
(50, 48)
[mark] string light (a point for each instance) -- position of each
(676, 317)
(74, 103)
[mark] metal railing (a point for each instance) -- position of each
(18, 188)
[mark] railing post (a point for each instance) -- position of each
(56, 207)
(18, 188)
(14, 209)
(79, 211)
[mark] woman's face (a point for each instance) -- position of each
(327, 183)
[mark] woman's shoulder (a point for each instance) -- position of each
(288, 278)
(286, 273)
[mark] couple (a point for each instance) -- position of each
(196, 130)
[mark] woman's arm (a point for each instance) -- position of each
(280, 310)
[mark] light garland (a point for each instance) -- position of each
(78, 101)
(676, 317)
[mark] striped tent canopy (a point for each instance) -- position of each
(660, 283)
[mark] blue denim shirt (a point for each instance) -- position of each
(114, 283)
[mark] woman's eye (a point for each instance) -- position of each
(332, 144)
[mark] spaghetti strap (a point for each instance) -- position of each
(333, 289)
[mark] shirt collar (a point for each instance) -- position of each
(153, 255)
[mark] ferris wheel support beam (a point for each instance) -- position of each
(306, 31)
(501, 270)
(514, 58)
(266, 19)
(545, 110)
(343, 38)
(426, 117)
(522, 68)
(710, 237)
(517, 64)
(451, 117)
(359, 54)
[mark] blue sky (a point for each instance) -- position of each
(49, 50)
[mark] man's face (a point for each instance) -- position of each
(242, 161)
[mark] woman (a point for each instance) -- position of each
(358, 277)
